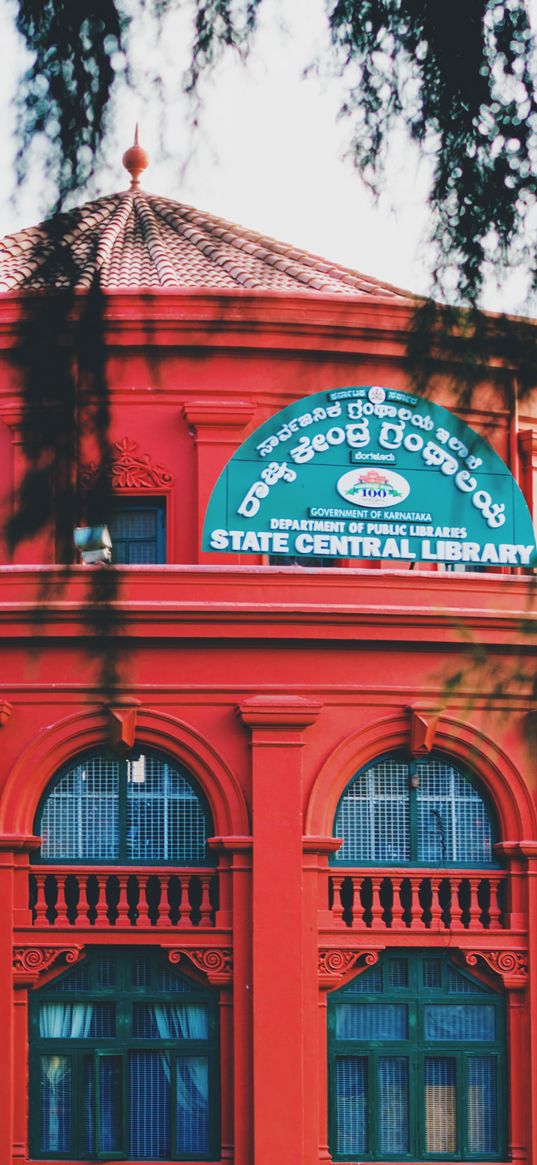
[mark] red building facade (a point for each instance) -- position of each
(189, 820)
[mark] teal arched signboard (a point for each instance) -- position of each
(370, 473)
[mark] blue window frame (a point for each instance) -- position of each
(138, 531)
(124, 1062)
(416, 1063)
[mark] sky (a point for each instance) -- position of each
(270, 152)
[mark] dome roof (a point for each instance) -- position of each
(136, 241)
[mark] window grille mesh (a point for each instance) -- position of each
(192, 1105)
(367, 983)
(88, 1132)
(458, 984)
(110, 1107)
(373, 816)
(168, 981)
(105, 972)
(374, 820)
(482, 1105)
(371, 1021)
(393, 1104)
(453, 824)
(440, 1105)
(77, 980)
(432, 973)
(165, 821)
(127, 523)
(398, 969)
(466, 1022)
(55, 1104)
(81, 814)
(149, 1105)
(351, 1105)
(141, 971)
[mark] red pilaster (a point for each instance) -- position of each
(217, 427)
(315, 910)
(235, 870)
(279, 1100)
(9, 1082)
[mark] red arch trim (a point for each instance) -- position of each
(56, 745)
(460, 740)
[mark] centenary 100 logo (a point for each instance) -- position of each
(373, 487)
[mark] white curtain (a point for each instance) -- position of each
(65, 1021)
(184, 1023)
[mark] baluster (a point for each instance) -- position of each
(101, 906)
(494, 909)
(143, 903)
(455, 908)
(436, 910)
(398, 922)
(184, 904)
(40, 901)
(164, 904)
(474, 909)
(61, 904)
(206, 910)
(337, 908)
(376, 905)
(416, 910)
(123, 905)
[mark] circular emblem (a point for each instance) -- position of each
(377, 394)
(373, 487)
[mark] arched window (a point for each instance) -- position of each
(424, 812)
(123, 1062)
(142, 809)
(416, 1051)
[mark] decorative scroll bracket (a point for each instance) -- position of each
(31, 963)
(338, 965)
(511, 966)
(424, 718)
(215, 962)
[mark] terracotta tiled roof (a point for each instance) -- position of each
(135, 240)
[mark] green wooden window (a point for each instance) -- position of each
(426, 812)
(123, 1063)
(136, 810)
(416, 1058)
(138, 531)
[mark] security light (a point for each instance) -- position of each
(94, 544)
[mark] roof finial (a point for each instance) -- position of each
(135, 160)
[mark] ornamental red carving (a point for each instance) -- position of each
(30, 962)
(512, 966)
(215, 962)
(337, 964)
(128, 469)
